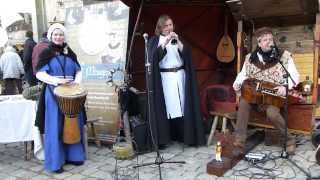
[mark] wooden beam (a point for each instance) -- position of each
(185, 3)
(276, 8)
(296, 131)
(276, 12)
(284, 21)
(239, 45)
(316, 59)
(240, 42)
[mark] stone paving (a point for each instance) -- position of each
(101, 165)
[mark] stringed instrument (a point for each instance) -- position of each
(262, 92)
(225, 50)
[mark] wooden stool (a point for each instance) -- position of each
(85, 141)
(90, 124)
(28, 153)
(220, 115)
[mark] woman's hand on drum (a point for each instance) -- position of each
(73, 82)
(64, 81)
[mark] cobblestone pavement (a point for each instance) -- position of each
(101, 165)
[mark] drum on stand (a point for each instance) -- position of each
(71, 99)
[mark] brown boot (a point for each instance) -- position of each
(239, 148)
(291, 146)
(239, 144)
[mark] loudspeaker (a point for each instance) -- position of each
(318, 154)
(141, 135)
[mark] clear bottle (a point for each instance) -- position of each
(306, 87)
(218, 151)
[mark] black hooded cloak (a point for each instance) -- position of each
(160, 125)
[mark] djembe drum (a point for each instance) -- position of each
(71, 99)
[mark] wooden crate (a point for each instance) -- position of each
(317, 113)
(300, 119)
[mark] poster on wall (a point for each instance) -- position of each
(13, 28)
(98, 34)
(15, 20)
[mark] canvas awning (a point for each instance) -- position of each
(272, 12)
(275, 12)
(164, 2)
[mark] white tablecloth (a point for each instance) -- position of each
(17, 116)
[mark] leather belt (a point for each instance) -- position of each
(176, 69)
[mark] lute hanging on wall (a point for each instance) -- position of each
(225, 50)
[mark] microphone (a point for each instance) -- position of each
(145, 36)
(274, 52)
(272, 47)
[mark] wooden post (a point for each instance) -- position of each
(316, 59)
(239, 48)
(239, 45)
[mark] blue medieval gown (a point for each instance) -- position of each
(56, 152)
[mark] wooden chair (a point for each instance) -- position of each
(218, 101)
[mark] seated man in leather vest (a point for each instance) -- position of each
(264, 64)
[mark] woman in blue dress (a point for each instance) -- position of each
(58, 65)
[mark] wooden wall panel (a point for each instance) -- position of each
(304, 64)
(296, 39)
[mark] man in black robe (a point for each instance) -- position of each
(170, 60)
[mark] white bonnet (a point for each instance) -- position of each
(53, 27)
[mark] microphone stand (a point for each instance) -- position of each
(284, 153)
(150, 102)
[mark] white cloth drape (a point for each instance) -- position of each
(17, 122)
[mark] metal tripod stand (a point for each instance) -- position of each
(159, 159)
(284, 153)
